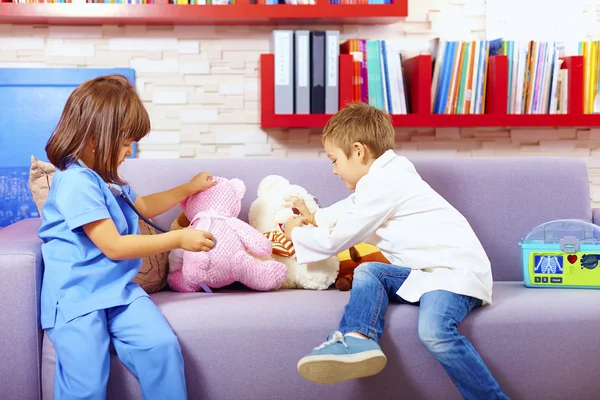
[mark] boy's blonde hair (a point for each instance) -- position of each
(360, 122)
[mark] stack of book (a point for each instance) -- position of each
(590, 50)
(378, 74)
(459, 77)
(536, 82)
(307, 72)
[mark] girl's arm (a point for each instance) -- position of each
(104, 234)
(155, 204)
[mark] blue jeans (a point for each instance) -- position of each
(375, 285)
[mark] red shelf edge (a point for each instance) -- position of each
(496, 120)
(163, 13)
(318, 121)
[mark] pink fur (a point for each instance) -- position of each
(237, 244)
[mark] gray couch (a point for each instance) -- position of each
(238, 344)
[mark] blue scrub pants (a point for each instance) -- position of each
(144, 342)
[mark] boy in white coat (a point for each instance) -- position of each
(437, 262)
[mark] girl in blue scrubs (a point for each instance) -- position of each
(92, 250)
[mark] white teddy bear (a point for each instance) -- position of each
(268, 213)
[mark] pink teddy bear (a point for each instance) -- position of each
(232, 259)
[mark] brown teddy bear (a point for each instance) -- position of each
(352, 258)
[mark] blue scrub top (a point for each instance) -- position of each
(78, 277)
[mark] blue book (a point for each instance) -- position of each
(386, 76)
(446, 77)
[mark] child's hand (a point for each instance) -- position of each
(292, 223)
(193, 240)
(201, 182)
(299, 204)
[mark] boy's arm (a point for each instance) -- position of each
(328, 216)
(323, 216)
(358, 222)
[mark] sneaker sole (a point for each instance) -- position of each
(325, 369)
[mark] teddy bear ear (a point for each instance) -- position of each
(269, 183)
(239, 187)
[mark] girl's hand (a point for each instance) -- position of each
(201, 182)
(299, 204)
(193, 240)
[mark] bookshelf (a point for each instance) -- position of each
(418, 74)
(162, 13)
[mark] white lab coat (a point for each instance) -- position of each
(413, 226)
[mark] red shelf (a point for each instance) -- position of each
(444, 121)
(495, 120)
(418, 75)
(242, 13)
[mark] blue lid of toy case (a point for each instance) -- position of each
(553, 232)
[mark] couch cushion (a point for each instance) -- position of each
(503, 198)
(243, 344)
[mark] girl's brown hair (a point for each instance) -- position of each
(106, 110)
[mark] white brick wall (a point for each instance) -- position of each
(201, 88)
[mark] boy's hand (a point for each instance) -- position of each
(299, 204)
(201, 182)
(193, 240)
(292, 223)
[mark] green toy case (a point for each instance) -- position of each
(562, 253)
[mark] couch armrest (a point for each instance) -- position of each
(20, 333)
(596, 216)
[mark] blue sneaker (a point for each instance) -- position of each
(341, 358)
